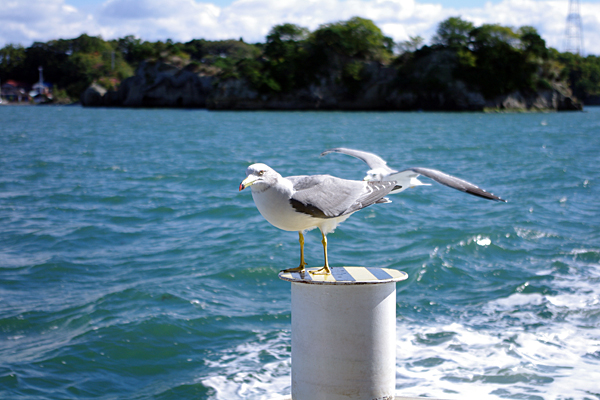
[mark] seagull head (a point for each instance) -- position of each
(376, 174)
(259, 175)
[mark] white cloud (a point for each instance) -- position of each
(183, 20)
(548, 17)
(180, 20)
(39, 20)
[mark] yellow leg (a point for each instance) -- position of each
(325, 270)
(302, 266)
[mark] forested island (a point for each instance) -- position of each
(346, 65)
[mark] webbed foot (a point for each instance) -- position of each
(301, 268)
(321, 271)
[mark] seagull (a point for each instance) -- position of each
(304, 202)
(408, 178)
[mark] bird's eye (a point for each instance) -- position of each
(261, 173)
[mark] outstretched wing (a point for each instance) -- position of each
(408, 177)
(453, 182)
(372, 160)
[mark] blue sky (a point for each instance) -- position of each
(23, 22)
(90, 4)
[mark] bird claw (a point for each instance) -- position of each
(301, 269)
(322, 271)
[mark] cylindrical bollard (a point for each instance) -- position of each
(344, 334)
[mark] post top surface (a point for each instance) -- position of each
(346, 276)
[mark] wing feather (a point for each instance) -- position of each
(372, 160)
(325, 196)
(455, 183)
(407, 177)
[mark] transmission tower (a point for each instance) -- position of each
(574, 31)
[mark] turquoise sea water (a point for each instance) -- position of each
(132, 268)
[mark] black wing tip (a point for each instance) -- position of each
(492, 196)
(486, 195)
(334, 150)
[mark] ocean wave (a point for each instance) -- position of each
(489, 363)
(131, 267)
(257, 370)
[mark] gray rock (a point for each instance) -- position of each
(92, 96)
(158, 84)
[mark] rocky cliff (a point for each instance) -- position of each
(154, 84)
(380, 88)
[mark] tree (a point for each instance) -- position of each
(532, 42)
(287, 33)
(285, 42)
(411, 45)
(583, 73)
(11, 61)
(453, 32)
(492, 35)
(134, 50)
(287, 55)
(205, 50)
(89, 44)
(501, 66)
(357, 38)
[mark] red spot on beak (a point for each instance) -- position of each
(242, 187)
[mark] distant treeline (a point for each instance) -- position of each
(493, 59)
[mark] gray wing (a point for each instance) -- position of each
(455, 183)
(372, 160)
(325, 196)
(376, 162)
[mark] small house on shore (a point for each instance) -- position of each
(14, 92)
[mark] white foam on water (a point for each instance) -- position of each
(477, 239)
(526, 345)
(552, 363)
(480, 240)
(532, 234)
(483, 241)
(244, 374)
(448, 368)
(452, 361)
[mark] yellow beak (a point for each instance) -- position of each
(247, 182)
